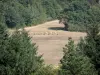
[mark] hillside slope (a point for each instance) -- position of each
(51, 38)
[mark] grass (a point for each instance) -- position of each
(78, 28)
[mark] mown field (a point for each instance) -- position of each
(50, 38)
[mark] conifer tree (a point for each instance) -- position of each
(91, 44)
(18, 56)
(24, 54)
(75, 63)
(3, 47)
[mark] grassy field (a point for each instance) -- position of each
(50, 38)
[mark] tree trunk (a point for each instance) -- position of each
(66, 27)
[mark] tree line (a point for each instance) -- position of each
(19, 13)
(78, 15)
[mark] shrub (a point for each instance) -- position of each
(46, 70)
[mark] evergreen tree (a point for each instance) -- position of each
(75, 63)
(24, 54)
(18, 56)
(74, 13)
(91, 46)
(3, 49)
(52, 8)
(27, 12)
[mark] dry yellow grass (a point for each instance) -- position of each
(51, 38)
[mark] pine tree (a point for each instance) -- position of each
(75, 63)
(91, 44)
(24, 59)
(3, 48)
(18, 56)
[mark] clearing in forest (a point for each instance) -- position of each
(51, 38)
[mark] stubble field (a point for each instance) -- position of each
(50, 38)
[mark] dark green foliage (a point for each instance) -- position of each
(91, 46)
(92, 20)
(76, 11)
(47, 70)
(11, 19)
(63, 3)
(18, 56)
(75, 63)
(12, 16)
(27, 12)
(3, 47)
(79, 28)
(24, 54)
(52, 8)
(94, 1)
(80, 13)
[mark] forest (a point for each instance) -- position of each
(21, 13)
(18, 55)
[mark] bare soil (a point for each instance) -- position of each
(50, 38)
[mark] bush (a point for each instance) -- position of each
(47, 70)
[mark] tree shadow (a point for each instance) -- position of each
(57, 28)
